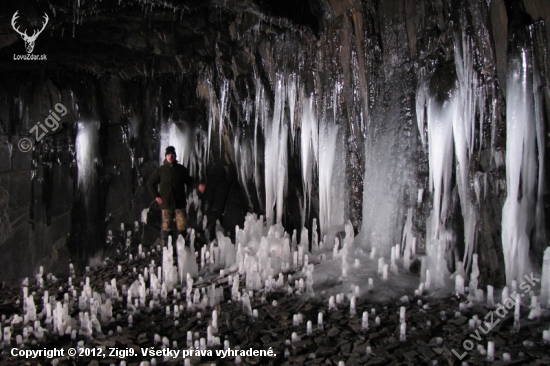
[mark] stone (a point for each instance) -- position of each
(377, 361)
(426, 352)
(333, 332)
(345, 348)
(325, 351)
(410, 355)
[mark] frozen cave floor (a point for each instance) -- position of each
(434, 326)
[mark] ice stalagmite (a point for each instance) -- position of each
(187, 265)
(169, 271)
(227, 251)
(408, 240)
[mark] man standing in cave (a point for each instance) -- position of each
(172, 178)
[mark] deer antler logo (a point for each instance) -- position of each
(29, 40)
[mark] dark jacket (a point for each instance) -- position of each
(172, 178)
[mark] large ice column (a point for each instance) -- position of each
(440, 117)
(452, 131)
(261, 113)
(87, 153)
(384, 184)
(327, 153)
(276, 157)
(440, 137)
(469, 100)
(521, 169)
(541, 233)
(309, 153)
(339, 192)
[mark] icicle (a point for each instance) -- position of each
(292, 82)
(87, 153)
(222, 108)
(309, 150)
(276, 158)
(468, 100)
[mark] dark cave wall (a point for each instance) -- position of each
(43, 204)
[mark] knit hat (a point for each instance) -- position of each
(170, 150)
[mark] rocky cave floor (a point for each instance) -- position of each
(342, 339)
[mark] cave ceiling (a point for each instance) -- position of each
(137, 38)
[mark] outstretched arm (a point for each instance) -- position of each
(190, 182)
